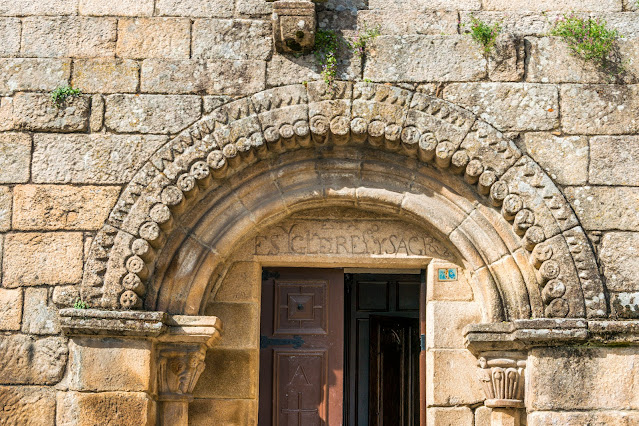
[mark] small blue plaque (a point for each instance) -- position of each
(447, 274)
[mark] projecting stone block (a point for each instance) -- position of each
(451, 378)
(109, 365)
(96, 158)
(598, 418)
(613, 372)
(229, 412)
(55, 207)
(103, 408)
(9, 36)
(509, 106)
(614, 160)
(212, 77)
(27, 74)
(37, 112)
(563, 5)
(545, 148)
(154, 38)
(232, 39)
(10, 308)
(68, 36)
(609, 109)
(15, 159)
(619, 255)
(25, 360)
(605, 208)
(36, 258)
(27, 406)
(441, 58)
(116, 8)
(195, 8)
(151, 113)
(106, 75)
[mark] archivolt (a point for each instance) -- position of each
(534, 258)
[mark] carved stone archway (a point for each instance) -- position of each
(509, 221)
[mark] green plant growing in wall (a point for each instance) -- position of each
(80, 304)
(60, 95)
(359, 43)
(591, 40)
(327, 44)
(484, 34)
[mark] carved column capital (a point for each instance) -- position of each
(502, 377)
(179, 368)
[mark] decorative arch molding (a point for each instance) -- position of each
(430, 146)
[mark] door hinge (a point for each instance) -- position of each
(267, 342)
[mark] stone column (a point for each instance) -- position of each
(503, 379)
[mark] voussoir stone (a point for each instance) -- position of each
(154, 38)
(96, 158)
(116, 8)
(619, 255)
(117, 408)
(15, 158)
(151, 113)
(610, 109)
(37, 258)
(418, 58)
(605, 208)
(106, 75)
(37, 112)
(509, 106)
(195, 8)
(544, 148)
(55, 207)
(68, 36)
(232, 39)
(33, 74)
(27, 360)
(27, 406)
(196, 76)
(614, 160)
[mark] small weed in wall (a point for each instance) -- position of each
(591, 40)
(484, 34)
(60, 95)
(79, 304)
(360, 41)
(326, 46)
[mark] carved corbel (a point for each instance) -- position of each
(503, 379)
(179, 368)
(294, 25)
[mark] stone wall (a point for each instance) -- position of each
(150, 68)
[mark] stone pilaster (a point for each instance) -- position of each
(502, 376)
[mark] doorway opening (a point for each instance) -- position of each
(341, 348)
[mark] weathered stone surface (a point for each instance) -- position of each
(459, 416)
(518, 22)
(5, 208)
(229, 373)
(450, 380)
(36, 258)
(109, 365)
(38, 7)
(441, 58)
(608, 112)
(232, 39)
(98, 158)
(229, 412)
(605, 208)
(116, 8)
(211, 77)
(146, 38)
(509, 106)
(66, 295)
(106, 75)
(9, 36)
(90, 409)
(209, 103)
(614, 160)
(151, 113)
(96, 120)
(619, 256)
(445, 322)
(563, 5)
(37, 112)
(286, 69)
(62, 207)
(506, 60)
(25, 74)
(15, 158)
(10, 308)
(253, 8)
(545, 148)
(420, 4)
(241, 323)
(612, 372)
(26, 360)
(482, 416)
(580, 418)
(399, 22)
(39, 316)
(27, 406)
(195, 8)
(68, 36)
(624, 304)
(239, 283)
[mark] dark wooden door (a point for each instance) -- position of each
(302, 347)
(394, 371)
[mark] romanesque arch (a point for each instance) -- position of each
(368, 145)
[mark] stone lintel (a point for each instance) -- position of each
(521, 335)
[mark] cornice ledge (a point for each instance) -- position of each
(522, 335)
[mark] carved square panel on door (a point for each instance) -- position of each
(300, 308)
